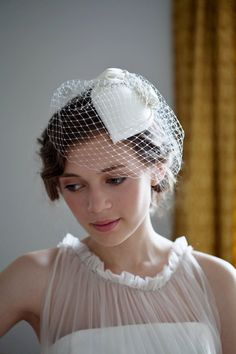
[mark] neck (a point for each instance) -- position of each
(143, 248)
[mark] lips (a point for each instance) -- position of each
(103, 222)
(105, 225)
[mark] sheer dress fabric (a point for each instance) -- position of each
(89, 309)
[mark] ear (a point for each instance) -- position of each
(158, 173)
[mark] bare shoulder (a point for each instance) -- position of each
(222, 279)
(216, 269)
(28, 274)
(40, 260)
(23, 285)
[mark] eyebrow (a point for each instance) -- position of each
(108, 169)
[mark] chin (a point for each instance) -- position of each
(108, 240)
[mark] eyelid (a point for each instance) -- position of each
(68, 181)
(71, 181)
(117, 175)
(72, 187)
(120, 179)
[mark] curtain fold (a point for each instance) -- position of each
(205, 91)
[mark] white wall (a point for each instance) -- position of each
(44, 43)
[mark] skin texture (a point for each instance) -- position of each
(132, 245)
(96, 196)
(20, 295)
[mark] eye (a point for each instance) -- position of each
(116, 180)
(73, 187)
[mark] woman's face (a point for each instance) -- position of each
(108, 205)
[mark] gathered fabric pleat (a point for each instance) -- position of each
(88, 309)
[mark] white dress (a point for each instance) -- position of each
(88, 309)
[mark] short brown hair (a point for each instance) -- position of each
(53, 163)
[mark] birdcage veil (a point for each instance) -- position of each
(118, 115)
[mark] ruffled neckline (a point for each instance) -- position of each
(178, 249)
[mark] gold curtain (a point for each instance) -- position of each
(204, 34)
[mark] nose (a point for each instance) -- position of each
(98, 201)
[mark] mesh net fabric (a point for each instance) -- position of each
(89, 309)
(119, 115)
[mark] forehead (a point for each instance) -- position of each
(100, 153)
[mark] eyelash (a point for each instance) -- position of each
(119, 179)
(116, 181)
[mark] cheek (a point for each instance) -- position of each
(138, 196)
(75, 204)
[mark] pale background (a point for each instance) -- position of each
(44, 43)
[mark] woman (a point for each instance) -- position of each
(112, 147)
